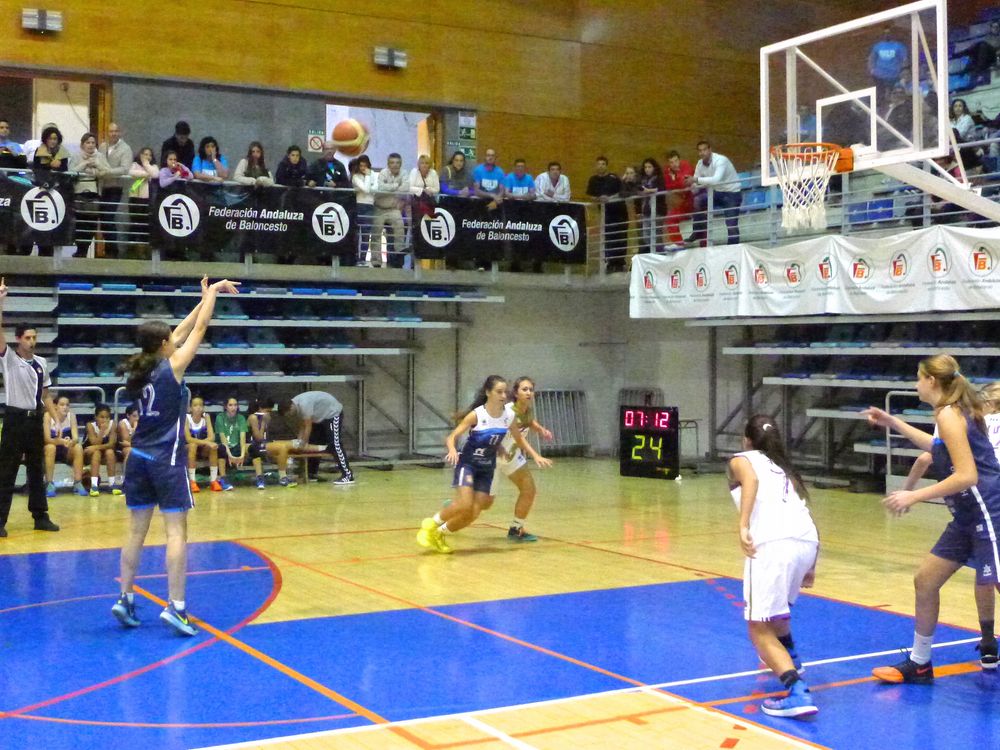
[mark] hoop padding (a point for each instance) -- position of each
(803, 170)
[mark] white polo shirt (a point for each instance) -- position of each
(24, 379)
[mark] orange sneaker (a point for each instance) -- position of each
(215, 486)
(195, 487)
(906, 671)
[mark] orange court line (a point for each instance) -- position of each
(54, 601)
(541, 649)
(245, 569)
(153, 725)
(948, 670)
(277, 665)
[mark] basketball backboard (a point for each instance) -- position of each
(877, 83)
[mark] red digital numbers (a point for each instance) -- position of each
(653, 419)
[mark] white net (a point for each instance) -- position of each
(803, 171)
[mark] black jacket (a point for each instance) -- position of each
(326, 174)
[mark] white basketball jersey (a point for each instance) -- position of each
(992, 430)
(778, 511)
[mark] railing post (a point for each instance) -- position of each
(602, 258)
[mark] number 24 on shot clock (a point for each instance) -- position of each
(648, 442)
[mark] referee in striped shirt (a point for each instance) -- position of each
(26, 383)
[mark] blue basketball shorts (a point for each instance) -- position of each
(967, 546)
(479, 478)
(149, 482)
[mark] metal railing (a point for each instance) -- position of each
(619, 227)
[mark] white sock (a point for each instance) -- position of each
(213, 473)
(921, 653)
(282, 474)
(443, 528)
(129, 597)
(191, 474)
(94, 481)
(518, 522)
(178, 604)
(437, 519)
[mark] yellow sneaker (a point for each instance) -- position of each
(424, 536)
(439, 544)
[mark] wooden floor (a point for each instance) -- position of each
(351, 551)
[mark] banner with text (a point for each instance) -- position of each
(468, 228)
(939, 268)
(36, 209)
(284, 221)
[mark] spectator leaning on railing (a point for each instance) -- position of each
(11, 152)
(210, 165)
(173, 170)
(456, 178)
(89, 165)
(653, 204)
(518, 184)
(50, 154)
(251, 169)
(141, 171)
(181, 144)
(393, 187)
(327, 171)
(425, 185)
(717, 172)
(603, 186)
(118, 154)
(552, 185)
(680, 201)
(488, 178)
(365, 182)
(292, 170)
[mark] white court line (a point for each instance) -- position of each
(494, 732)
(651, 689)
(835, 660)
(773, 734)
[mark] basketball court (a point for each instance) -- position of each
(324, 625)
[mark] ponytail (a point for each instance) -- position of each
(763, 435)
(488, 385)
(956, 390)
(990, 395)
(138, 368)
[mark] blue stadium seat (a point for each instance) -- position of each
(959, 64)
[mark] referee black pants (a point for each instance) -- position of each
(22, 436)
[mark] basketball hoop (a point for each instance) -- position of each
(803, 170)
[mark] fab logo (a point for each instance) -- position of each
(899, 267)
(731, 276)
(826, 269)
(793, 274)
(982, 260)
(938, 262)
(760, 276)
(861, 270)
(676, 280)
(701, 280)
(648, 281)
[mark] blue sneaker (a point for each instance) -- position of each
(288, 482)
(50, 489)
(178, 620)
(79, 489)
(124, 612)
(518, 534)
(260, 483)
(797, 703)
(226, 486)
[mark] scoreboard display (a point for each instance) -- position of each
(649, 442)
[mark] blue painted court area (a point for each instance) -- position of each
(73, 678)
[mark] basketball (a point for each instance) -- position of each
(350, 137)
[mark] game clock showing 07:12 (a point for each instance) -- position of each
(648, 442)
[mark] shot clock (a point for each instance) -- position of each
(648, 441)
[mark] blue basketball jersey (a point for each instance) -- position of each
(163, 405)
(485, 437)
(980, 504)
(61, 429)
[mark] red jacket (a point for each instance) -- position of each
(675, 181)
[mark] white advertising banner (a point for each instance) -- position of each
(939, 268)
